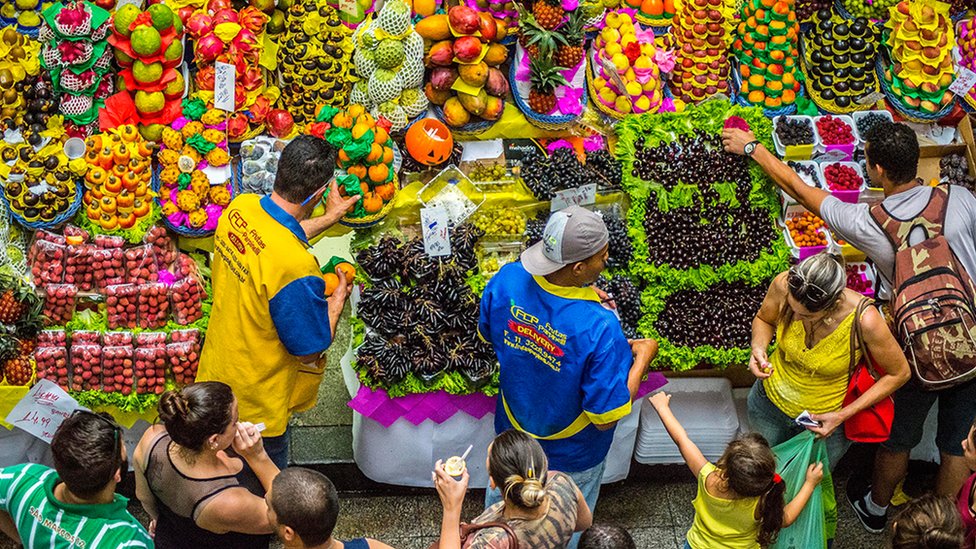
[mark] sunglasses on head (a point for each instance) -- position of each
(813, 297)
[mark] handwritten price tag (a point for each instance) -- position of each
(42, 410)
(224, 77)
(580, 196)
(835, 155)
(965, 80)
(437, 236)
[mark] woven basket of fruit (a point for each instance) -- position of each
(551, 122)
(374, 218)
(911, 115)
(54, 223)
(469, 130)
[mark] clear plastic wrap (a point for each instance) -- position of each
(59, 303)
(153, 305)
(86, 367)
(52, 365)
(46, 261)
(107, 267)
(117, 369)
(140, 265)
(150, 370)
(184, 358)
(121, 306)
(78, 268)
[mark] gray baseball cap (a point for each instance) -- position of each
(571, 235)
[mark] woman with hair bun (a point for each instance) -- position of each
(542, 508)
(811, 313)
(187, 481)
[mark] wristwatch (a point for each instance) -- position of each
(750, 147)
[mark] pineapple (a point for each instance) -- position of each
(549, 13)
(571, 53)
(15, 299)
(18, 370)
(544, 78)
(537, 40)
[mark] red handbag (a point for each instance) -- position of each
(873, 424)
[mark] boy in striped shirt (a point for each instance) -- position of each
(74, 504)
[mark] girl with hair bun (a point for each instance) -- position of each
(186, 480)
(928, 522)
(741, 499)
(811, 313)
(542, 508)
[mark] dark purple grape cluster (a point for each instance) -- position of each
(794, 131)
(708, 232)
(603, 168)
(621, 250)
(867, 123)
(535, 227)
(806, 8)
(627, 296)
(697, 159)
(544, 175)
(417, 308)
(720, 316)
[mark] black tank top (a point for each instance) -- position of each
(180, 498)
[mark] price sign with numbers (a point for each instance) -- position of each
(42, 410)
(224, 76)
(965, 80)
(579, 196)
(434, 222)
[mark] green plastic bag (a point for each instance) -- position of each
(817, 522)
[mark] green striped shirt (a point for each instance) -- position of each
(27, 495)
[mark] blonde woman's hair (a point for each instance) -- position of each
(817, 282)
(520, 469)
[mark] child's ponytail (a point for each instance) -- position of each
(771, 507)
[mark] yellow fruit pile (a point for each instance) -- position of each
(117, 184)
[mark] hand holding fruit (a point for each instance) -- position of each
(342, 291)
(759, 363)
(337, 206)
(735, 140)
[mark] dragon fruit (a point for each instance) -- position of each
(251, 79)
(199, 24)
(260, 109)
(73, 15)
(245, 41)
(736, 123)
(225, 16)
(214, 6)
(237, 125)
(207, 49)
(253, 19)
(205, 78)
(240, 96)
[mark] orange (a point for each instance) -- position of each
(344, 159)
(375, 153)
(387, 155)
(331, 283)
(756, 97)
(358, 170)
(652, 7)
(342, 120)
(380, 136)
(348, 270)
(372, 203)
(379, 173)
(386, 191)
(355, 110)
(359, 130)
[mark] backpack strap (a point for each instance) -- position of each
(931, 219)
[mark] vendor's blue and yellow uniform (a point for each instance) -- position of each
(564, 365)
(269, 308)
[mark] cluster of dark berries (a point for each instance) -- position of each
(545, 175)
(627, 296)
(794, 131)
(954, 169)
(720, 316)
(697, 159)
(868, 122)
(604, 168)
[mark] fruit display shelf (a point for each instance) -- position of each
(57, 222)
(550, 122)
(910, 115)
(861, 83)
(741, 100)
(701, 223)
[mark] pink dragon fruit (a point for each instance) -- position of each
(73, 15)
(260, 109)
(245, 41)
(205, 78)
(251, 79)
(208, 48)
(199, 24)
(737, 123)
(225, 16)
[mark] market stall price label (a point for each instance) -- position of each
(42, 410)
(435, 226)
(837, 153)
(798, 152)
(871, 98)
(224, 77)
(579, 196)
(965, 80)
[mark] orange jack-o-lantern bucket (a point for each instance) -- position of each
(429, 142)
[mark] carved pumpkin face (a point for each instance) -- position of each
(429, 142)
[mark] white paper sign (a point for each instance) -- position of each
(965, 80)
(833, 156)
(224, 76)
(42, 410)
(434, 223)
(871, 98)
(580, 196)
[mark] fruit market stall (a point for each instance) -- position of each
(128, 129)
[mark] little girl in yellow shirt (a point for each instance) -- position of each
(740, 502)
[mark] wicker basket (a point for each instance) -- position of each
(770, 113)
(471, 130)
(595, 98)
(911, 115)
(54, 223)
(179, 229)
(372, 219)
(822, 104)
(544, 121)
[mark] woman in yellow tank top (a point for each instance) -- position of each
(811, 313)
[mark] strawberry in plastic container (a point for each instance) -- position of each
(121, 306)
(117, 369)
(52, 365)
(153, 304)
(52, 338)
(85, 337)
(107, 267)
(78, 269)
(150, 370)
(59, 303)
(46, 261)
(150, 339)
(116, 339)
(140, 265)
(187, 296)
(184, 359)
(163, 246)
(86, 366)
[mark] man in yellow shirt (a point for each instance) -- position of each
(271, 322)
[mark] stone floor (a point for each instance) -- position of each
(654, 505)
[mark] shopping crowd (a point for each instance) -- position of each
(843, 369)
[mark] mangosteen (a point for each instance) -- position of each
(842, 59)
(841, 74)
(310, 7)
(858, 59)
(858, 73)
(826, 67)
(327, 95)
(31, 213)
(34, 139)
(48, 198)
(827, 81)
(51, 162)
(14, 189)
(815, 57)
(26, 154)
(290, 44)
(842, 87)
(334, 51)
(48, 213)
(857, 86)
(287, 78)
(333, 21)
(325, 11)
(858, 44)
(324, 63)
(827, 52)
(309, 65)
(842, 29)
(302, 38)
(8, 155)
(828, 95)
(841, 45)
(31, 200)
(309, 109)
(35, 164)
(62, 175)
(309, 80)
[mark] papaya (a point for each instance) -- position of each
(434, 27)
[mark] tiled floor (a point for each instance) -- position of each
(654, 505)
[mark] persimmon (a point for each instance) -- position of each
(331, 283)
(372, 202)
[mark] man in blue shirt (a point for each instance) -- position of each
(568, 373)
